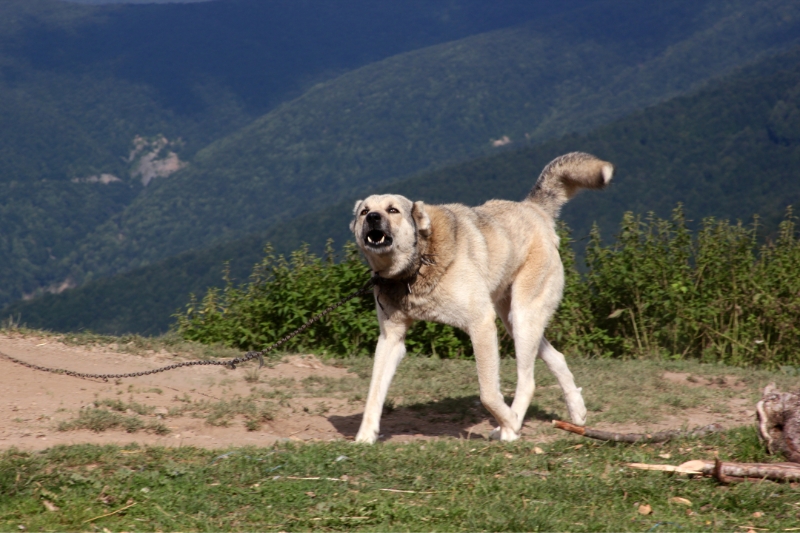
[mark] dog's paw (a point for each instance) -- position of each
(503, 434)
(366, 436)
(576, 408)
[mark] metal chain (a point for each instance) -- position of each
(231, 363)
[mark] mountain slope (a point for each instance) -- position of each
(79, 84)
(730, 150)
(446, 103)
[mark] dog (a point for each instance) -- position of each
(465, 266)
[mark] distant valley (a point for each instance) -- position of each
(116, 174)
(731, 150)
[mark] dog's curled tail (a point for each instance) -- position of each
(564, 176)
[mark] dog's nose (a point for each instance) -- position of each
(373, 217)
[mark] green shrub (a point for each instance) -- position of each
(283, 294)
(658, 290)
(719, 296)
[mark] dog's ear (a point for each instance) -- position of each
(355, 212)
(421, 219)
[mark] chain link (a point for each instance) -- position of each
(231, 363)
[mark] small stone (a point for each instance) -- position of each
(50, 506)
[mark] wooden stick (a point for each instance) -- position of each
(731, 472)
(111, 513)
(734, 472)
(410, 491)
(661, 436)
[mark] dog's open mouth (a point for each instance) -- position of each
(377, 239)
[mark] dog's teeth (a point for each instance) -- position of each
(383, 238)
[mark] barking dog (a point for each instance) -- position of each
(466, 266)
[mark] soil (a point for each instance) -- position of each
(32, 403)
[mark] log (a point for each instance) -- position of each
(734, 472)
(661, 436)
(779, 422)
(727, 472)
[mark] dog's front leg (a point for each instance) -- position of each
(390, 351)
(483, 335)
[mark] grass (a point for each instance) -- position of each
(99, 420)
(633, 392)
(450, 485)
(615, 391)
(107, 414)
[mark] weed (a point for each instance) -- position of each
(224, 412)
(99, 420)
(122, 407)
(251, 375)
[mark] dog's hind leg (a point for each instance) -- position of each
(572, 395)
(388, 354)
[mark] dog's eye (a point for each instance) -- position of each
(393, 210)
(364, 212)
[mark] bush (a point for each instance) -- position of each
(717, 297)
(658, 290)
(283, 294)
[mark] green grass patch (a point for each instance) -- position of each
(615, 391)
(100, 420)
(448, 485)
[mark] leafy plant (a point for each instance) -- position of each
(658, 290)
(283, 294)
(718, 296)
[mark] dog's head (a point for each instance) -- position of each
(387, 228)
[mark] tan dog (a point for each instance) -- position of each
(465, 266)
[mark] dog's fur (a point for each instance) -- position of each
(465, 266)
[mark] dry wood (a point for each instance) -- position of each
(111, 513)
(726, 472)
(733, 472)
(661, 436)
(779, 422)
(689, 467)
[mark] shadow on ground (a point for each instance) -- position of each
(463, 418)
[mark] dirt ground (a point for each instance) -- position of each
(32, 403)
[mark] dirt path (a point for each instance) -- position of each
(33, 403)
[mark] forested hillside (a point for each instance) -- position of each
(730, 150)
(561, 71)
(80, 84)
